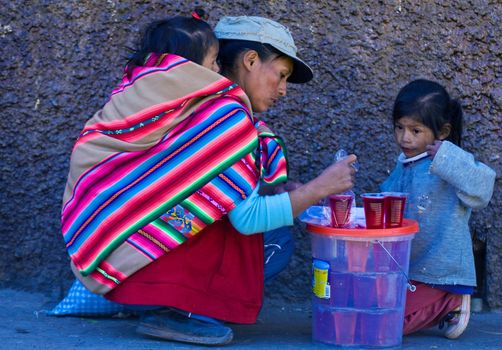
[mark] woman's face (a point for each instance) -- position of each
(266, 81)
(209, 60)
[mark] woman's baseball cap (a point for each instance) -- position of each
(265, 31)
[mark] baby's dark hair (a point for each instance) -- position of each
(189, 37)
(430, 104)
(231, 49)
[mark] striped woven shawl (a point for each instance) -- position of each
(174, 149)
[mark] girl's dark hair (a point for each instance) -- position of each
(429, 103)
(188, 37)
(230, 51)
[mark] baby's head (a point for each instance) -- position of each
(188, 37)
(429, 104)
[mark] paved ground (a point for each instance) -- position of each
(24, 325)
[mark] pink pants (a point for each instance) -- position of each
(427, 306)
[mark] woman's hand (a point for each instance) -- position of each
(433, 149)
(337, 178)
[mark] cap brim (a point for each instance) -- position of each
(302, 73)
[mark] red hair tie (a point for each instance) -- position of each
(196, 15)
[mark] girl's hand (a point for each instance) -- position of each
(433, 149)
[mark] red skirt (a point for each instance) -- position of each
(218, 273)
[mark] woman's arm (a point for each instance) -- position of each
(260, 213)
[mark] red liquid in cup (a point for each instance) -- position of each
(340, 209)
(374, 210)
(394, 209)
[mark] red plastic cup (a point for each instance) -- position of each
(374, 209)
(357, 255)
(394, 208)
(340, 205)
(341, 288)
(345, 326)
(380, 328)
(364, 290)
(388, 290)
(323, 324)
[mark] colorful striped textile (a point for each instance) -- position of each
(173, 150)
(273, 165)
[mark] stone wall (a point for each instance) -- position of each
(60, 59)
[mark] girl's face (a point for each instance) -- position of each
(266, 81)
(209, 60)
(412, 136)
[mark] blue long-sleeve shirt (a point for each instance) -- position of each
(258, 214)
(442, 193)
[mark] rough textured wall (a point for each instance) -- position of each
(60, 60)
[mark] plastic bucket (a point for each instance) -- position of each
(359, 284)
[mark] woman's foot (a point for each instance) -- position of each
(458, 319)
(170, 324)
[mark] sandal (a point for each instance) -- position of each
(170, 324)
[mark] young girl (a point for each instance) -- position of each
(444, 184)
